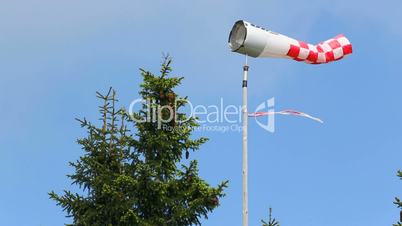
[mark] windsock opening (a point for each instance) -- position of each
(237, 36)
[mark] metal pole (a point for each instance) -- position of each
(245, 161)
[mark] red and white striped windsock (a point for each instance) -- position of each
(255, 41)
(285, 112)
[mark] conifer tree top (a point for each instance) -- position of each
(131, 172)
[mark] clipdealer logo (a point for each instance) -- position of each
(211, 118)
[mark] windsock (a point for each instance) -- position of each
(285, 112)
(255, 41)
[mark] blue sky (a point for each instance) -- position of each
(56, 54)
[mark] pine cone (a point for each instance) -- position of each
(171, 97)
(215, 201)
(161, 95)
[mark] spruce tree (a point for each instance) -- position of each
(131, 172)
(271, 221)
(399, 204)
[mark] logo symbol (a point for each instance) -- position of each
(270, 106)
